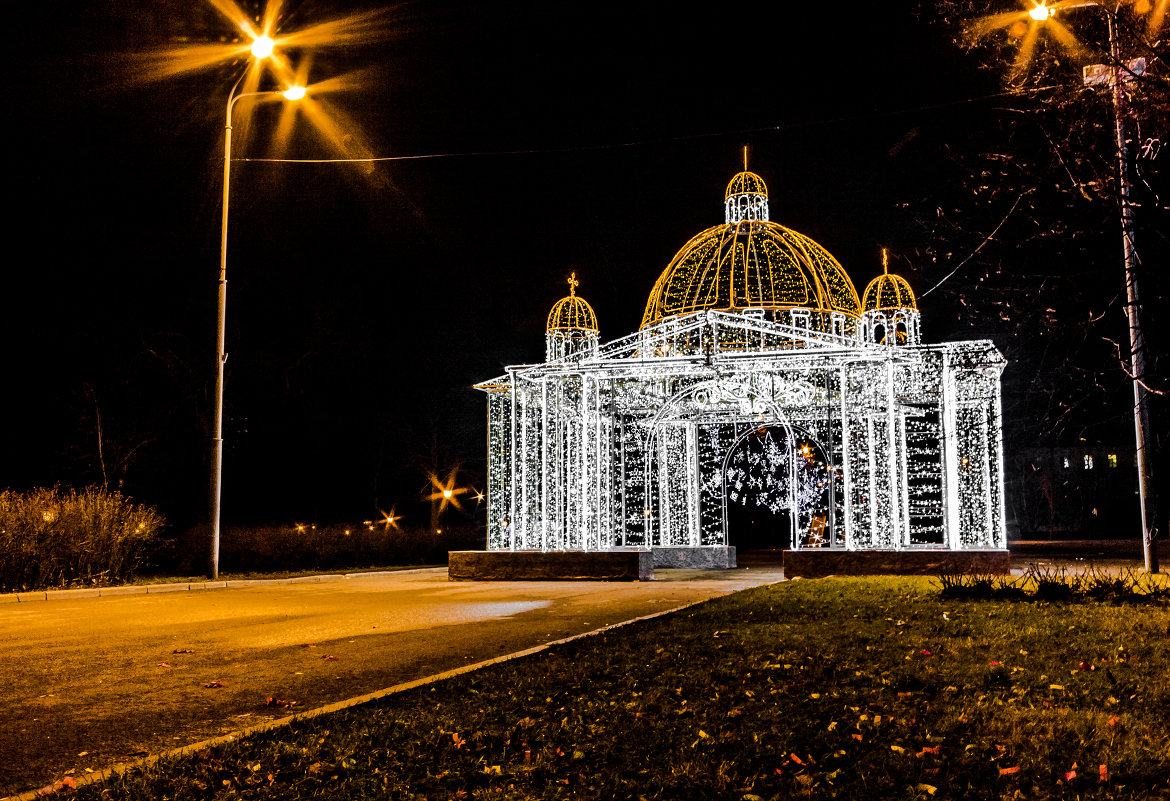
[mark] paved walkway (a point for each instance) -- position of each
(92, 681)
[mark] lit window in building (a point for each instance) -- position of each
(1066, 463)
(1088, 461)
(1113, 460)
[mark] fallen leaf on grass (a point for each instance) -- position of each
(280, 702)
(897, 749)
(857, 737)
(331, 656)
(1013, 769)
(214, 685)
(930, 749)
(1056, 686)
(182, 651)
(929, 789)
(1113, 721)
(49, 789)
(457, 741)
(164, 664)
(1103, 772)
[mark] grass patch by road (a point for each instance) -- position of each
(834, 688)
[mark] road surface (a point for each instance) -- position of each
(90, 682)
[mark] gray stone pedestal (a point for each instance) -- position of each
(713, 557)
(813, 562)
(633, 564)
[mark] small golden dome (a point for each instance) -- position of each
(888, 291)
(572, 313)
(746, 183)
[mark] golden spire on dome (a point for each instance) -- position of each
(888, 290)
(572, 313)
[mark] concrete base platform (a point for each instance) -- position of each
(814, 562)
(710, 557)
(632, 564)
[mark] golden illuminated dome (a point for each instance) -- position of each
(888, 291)
(572, 313)
(746, 183)
(750, 263)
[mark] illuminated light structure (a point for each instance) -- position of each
(757, 377)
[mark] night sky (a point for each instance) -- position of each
(364, 300)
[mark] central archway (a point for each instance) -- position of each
(780, 490)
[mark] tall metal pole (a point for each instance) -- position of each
(221, 317)
(220, 355)
(1136, 341)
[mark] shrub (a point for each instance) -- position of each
(1048, 583)
(62, 538)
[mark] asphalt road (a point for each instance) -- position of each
(89, 682)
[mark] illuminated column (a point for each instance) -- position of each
(950, 456)
(545, 447)
(872, 505)
(793, 503)
(692, 468)
(664, 521)
(623, 478)
(846, 472)
(985, 450)
(512, 472)
(999, 535)
(558, 465)
(892, 456)
(522, 524)
(586, 502)
(601, 445)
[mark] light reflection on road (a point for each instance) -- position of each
(469, 612)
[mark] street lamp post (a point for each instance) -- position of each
(1115, 76)
(261, 48)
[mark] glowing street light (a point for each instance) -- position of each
(262, 48)
(1041, 12)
